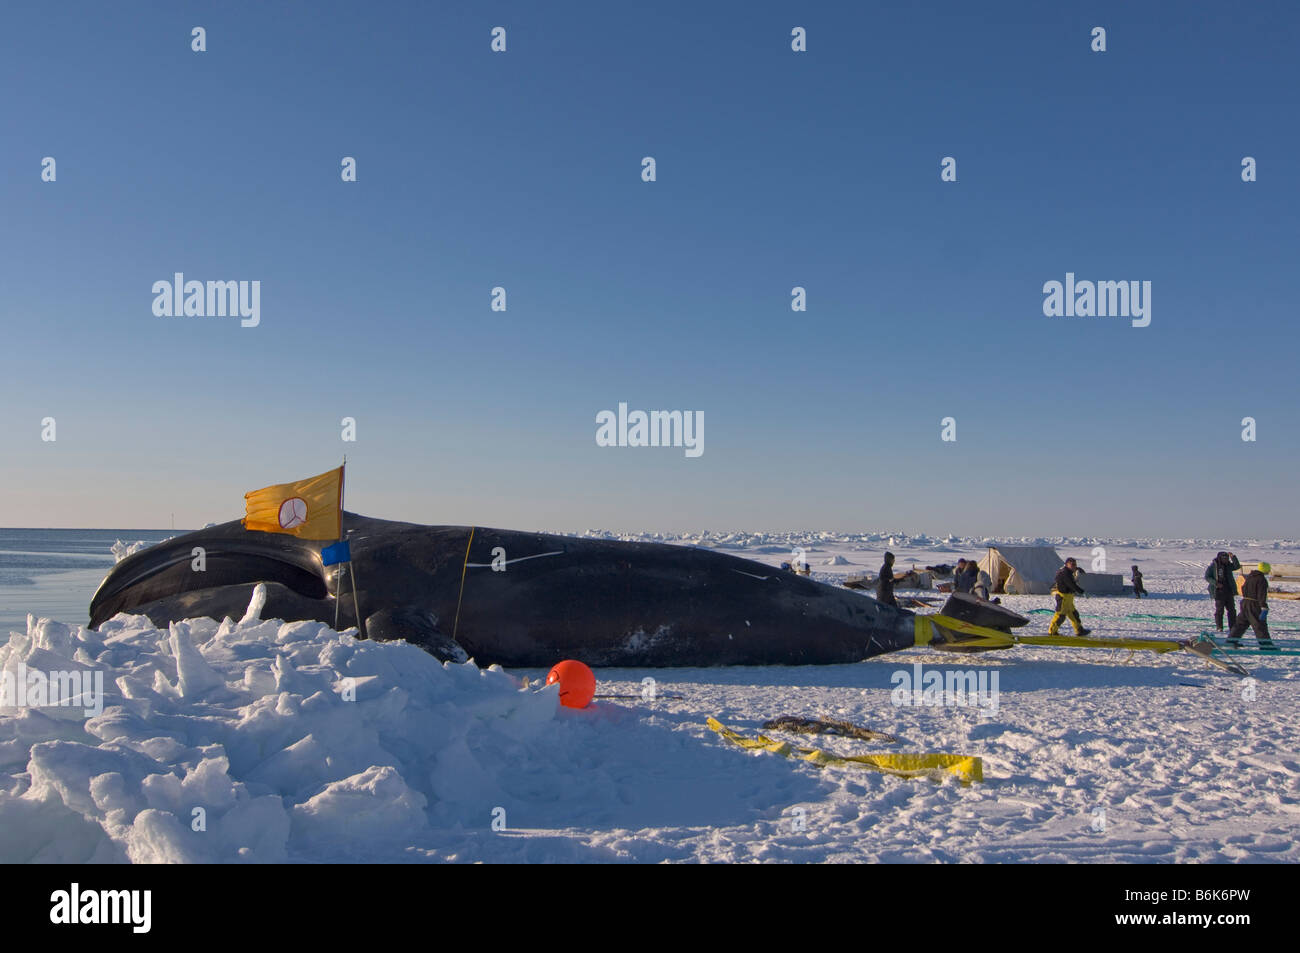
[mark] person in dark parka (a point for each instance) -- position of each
(961, 578)
(1138, 589)
(1223, 587)
(885, 584)
(1065, 587)
(1254, 610)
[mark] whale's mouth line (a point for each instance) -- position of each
(511, 562)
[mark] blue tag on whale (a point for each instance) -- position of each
(336, 553)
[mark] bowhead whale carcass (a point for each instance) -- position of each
(513, 598)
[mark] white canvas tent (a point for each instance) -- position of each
(1029, 571)
(1022, 570)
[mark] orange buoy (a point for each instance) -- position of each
(577, 683)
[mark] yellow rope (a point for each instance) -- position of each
(463, 570)
(967, 767)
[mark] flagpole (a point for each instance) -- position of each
(352, 571)
(361, 623)
(338, 571)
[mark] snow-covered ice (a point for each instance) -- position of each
(261, 740)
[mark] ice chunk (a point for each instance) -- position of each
(255, 604)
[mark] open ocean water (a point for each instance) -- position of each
(54, 572)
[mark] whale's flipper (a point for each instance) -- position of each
(417, 626)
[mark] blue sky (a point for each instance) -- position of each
(775, 169)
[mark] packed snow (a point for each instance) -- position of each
(259, 740)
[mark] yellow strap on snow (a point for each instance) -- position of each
(966, 767)
(994, 638)
(1155, 645)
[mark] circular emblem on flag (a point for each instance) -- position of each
(293, 512)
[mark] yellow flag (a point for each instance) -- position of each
(308, 509)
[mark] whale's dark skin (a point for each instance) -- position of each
(603, 602)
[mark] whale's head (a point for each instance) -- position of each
(197, 566)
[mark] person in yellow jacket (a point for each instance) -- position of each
(1065, 587)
